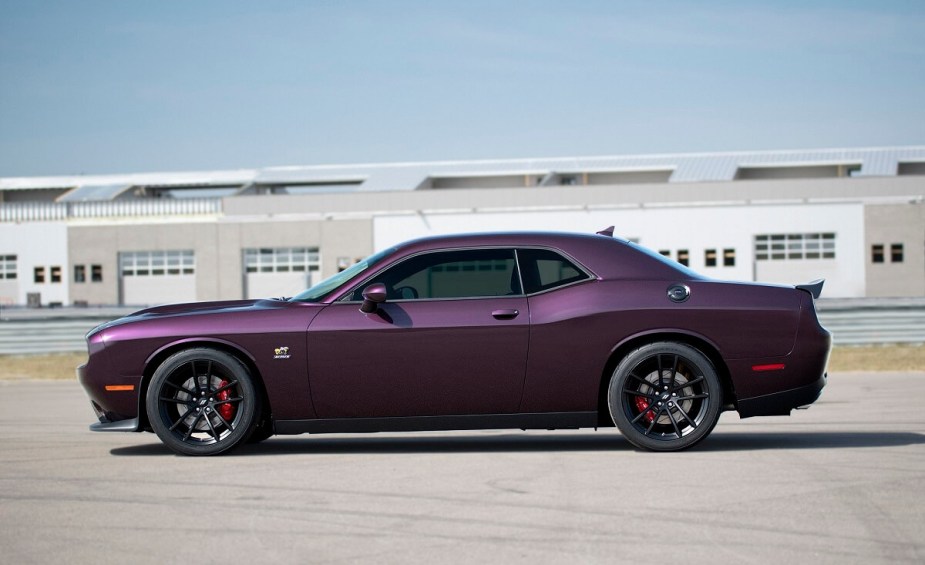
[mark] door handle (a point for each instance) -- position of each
(505, 314)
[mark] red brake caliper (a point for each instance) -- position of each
(641, 405)
(227, 409)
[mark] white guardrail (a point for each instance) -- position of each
(852, 322)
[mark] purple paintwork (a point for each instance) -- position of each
(542, 358)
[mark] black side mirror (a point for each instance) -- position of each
(373, 296)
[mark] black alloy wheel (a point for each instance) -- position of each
(665, 396)
(202, 402)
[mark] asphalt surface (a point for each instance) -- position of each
(843, 482)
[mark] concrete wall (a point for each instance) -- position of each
(886, 225)
(36, 244)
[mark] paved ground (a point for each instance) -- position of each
(842, 482)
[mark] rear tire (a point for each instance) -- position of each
(665, 396)
(202, 401)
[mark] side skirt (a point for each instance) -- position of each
(541, 421)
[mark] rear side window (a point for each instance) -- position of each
(544, 269)
(469, 273)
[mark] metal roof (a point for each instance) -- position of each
(684, 167)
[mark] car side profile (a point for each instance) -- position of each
(502, 330)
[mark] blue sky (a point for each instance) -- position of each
(119, 86)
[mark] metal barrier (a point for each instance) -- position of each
(849, 323)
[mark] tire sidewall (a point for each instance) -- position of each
(247, 407)
(622, 373)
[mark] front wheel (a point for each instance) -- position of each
(665, 396)
(202, 402)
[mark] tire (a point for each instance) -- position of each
(665, 396)
(202, 402)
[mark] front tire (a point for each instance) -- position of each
(665, 396)
(202, 401)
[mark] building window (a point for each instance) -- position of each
(794, 246)
(38, 275)
(156, 263)
(664, 253)
(80, 273)
(7, 267)
(876, 253)
(96, 273)
(55, 274)
(709, 258)
(729, 257)
(683, 257)
(896, 253)
(282, 260)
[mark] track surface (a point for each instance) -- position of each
(843, 482)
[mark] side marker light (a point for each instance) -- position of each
(114, 388)
(768, 367)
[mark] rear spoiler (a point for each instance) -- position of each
(814, 288)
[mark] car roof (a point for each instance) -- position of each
(606, 256)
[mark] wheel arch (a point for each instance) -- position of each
(700, 343)
(158, 357)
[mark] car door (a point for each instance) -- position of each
(450, 339)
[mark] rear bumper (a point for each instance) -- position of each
(781, 403)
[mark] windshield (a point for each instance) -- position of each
(320, 290)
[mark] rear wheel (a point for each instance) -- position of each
(665, 396)
(202, 402)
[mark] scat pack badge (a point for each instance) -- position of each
(281, 353)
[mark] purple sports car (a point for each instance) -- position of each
(518, 330)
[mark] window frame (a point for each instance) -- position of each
(347, 297)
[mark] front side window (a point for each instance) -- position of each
(471, 273)
(543, 269)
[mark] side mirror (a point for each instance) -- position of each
(373, 296)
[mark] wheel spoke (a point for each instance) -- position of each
(227, 400)
(674, 423)
(192, 426)
(183, 417)
(209, 375)
(658, 357)
(687, 384)
(211, 427)
(180, 388)
(674, 371)
(687, 417)
(224, 388)
(174, 400)
(639, 393)
(652, 423)
(692, 397)
(224, 421)
(643, 413)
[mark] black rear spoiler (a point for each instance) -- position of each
(814, 288)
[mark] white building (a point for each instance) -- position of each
(852, 216)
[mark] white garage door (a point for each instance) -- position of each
(272, 272)
(157, 277)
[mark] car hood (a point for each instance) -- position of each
(191, 309)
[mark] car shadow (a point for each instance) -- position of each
(519, 443)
